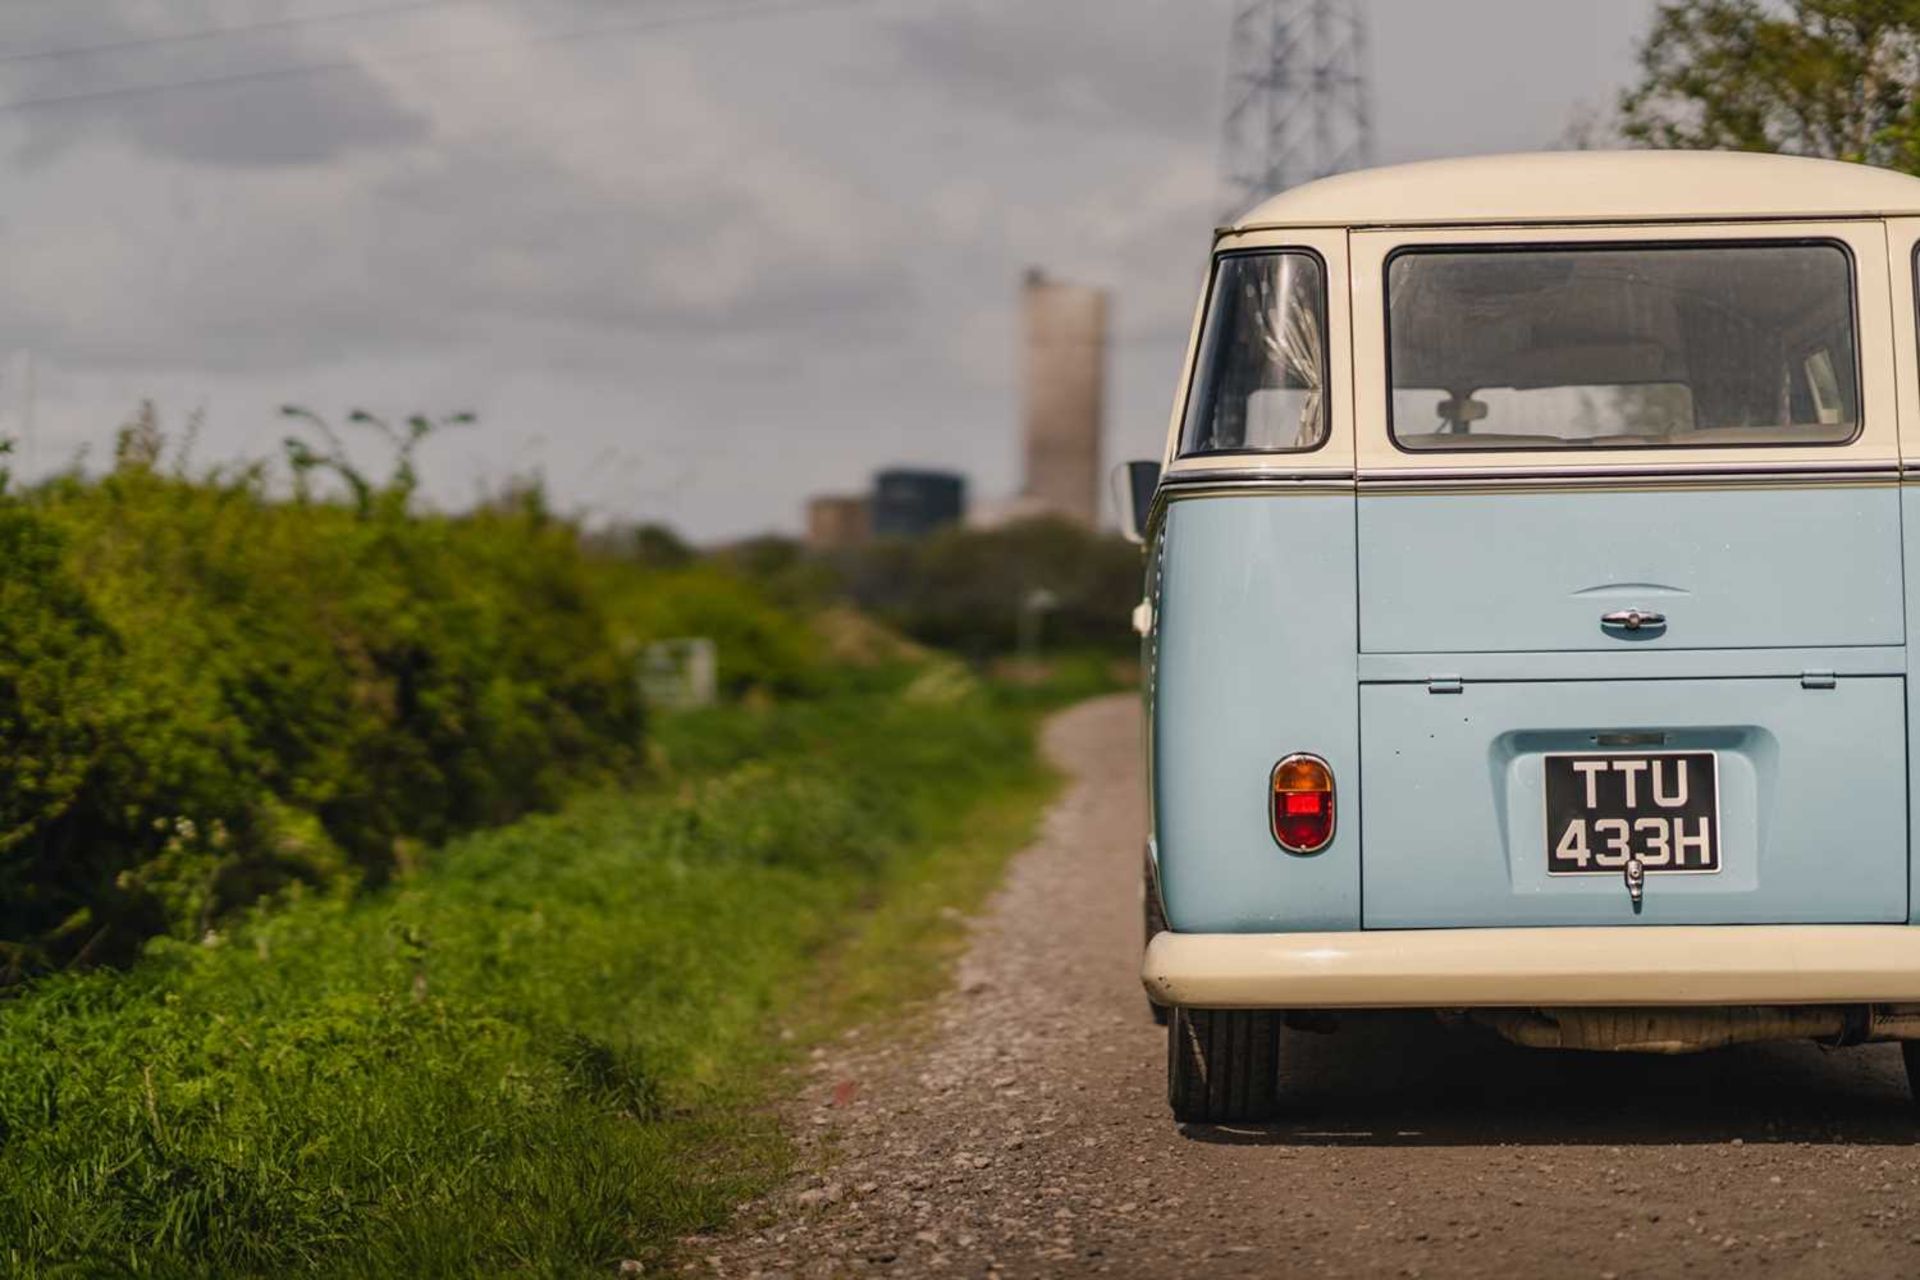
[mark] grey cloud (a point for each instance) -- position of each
(309, 117)
(1153, 66)
(431, 251)
(311, 120)
(711, 267)
(495, 232)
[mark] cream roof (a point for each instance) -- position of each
(1592, 186)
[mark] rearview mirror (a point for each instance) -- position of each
(1134, 485)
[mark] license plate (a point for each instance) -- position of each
(1603, 809)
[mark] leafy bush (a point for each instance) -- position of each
(204, 693)
(761, 646)
(207, 694)
(965, 589)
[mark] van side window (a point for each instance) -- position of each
(1632, 346)
(1260, 383)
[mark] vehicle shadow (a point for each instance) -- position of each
(1404, 1079)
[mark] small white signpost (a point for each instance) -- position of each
(681, 673)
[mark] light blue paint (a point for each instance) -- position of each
(1256, 659)
(1786, 566)
(1633, 664)
(1812, 790)
(1149, 678)
(1910, 538)
(1256, 654)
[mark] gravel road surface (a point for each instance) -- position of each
(1024, 1131)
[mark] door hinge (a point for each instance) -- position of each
(1817, 680)
(1443, 684)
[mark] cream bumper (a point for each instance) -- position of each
(1482, 968)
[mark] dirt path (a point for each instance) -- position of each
(1028, 1134)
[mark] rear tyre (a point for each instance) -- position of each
(1223, 1065)
(1156, 922)
(1910, 1050)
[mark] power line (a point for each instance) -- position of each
(771, 9)
(215, 33)
(1298, 96)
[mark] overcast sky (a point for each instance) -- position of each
(687, 269)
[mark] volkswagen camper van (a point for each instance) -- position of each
(1531, 576)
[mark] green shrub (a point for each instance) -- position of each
(61, 710)
(205, 694)
(761, 646)
(965, 589)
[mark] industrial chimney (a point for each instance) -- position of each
(1066, 359)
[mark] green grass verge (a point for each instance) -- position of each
(547, 1051)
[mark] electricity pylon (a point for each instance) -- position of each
(1298, 99)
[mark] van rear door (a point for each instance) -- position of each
(1631, 617)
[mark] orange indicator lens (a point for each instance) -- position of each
(1302, 804)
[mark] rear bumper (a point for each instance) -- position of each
(1483, 968)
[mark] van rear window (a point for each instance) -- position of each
(1260, 383)
(1626, 347)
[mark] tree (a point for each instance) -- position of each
(1834, 78)
(658, 547)
(968, 589)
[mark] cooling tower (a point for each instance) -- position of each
(1066, 358)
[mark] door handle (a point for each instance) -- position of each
(1634, 620)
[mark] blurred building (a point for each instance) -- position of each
(1065, 396)
(912, 504)
(836, 522)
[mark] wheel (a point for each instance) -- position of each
(1156, 922)
(1223, 1065)
(1910, 1050)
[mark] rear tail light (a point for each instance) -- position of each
(1303, 803)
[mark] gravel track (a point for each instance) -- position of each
(1025, 1132)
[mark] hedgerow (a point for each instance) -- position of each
(208, 692)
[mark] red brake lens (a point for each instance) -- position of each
(1302, 804)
